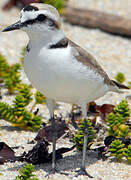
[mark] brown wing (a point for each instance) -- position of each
(87, 59)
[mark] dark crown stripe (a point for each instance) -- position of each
(30, 8)
(50, 22)
(61, 44)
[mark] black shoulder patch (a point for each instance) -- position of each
(30, 8)
(27, 48)
(63, 43)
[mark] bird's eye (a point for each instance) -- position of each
(41, 17)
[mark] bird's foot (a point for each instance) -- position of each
(55, 170)
(82, 171)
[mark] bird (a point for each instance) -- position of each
(59, 68)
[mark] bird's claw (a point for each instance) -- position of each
(82, 171)
(53, 171)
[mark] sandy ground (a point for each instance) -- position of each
(114, 55)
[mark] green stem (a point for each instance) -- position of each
(33, 107)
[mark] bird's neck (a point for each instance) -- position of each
(45, 39)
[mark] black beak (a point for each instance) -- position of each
(15, 26)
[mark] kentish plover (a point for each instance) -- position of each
(59, 68)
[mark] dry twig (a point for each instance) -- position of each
(96, 19)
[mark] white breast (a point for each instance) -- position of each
(59, 76)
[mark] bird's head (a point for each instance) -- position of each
(37, 18)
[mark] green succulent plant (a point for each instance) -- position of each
(26, 173)
(58, 4)
(127, 153)
(117, 149)
(39, 99)
(17, 114)
(7, 112)
(10, 74)
(3, 61)
(129, 85)
(79, 136)
(123, 109)
(117, 120)
(120, 77)
(0, 173)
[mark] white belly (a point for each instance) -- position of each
(62, 78)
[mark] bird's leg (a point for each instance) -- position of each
(82, 170)
(51, 106)
(73, 117)
(54, 133)
(73, 121)
(53, 169)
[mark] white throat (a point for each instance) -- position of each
(45, 39)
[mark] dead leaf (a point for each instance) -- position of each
(46, 132)
(6, 153)
(104, 110)
(40, 155)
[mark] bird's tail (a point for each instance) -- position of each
(116, 87)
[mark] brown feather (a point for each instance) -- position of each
(88, 60)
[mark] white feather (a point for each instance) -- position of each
(57, 74)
